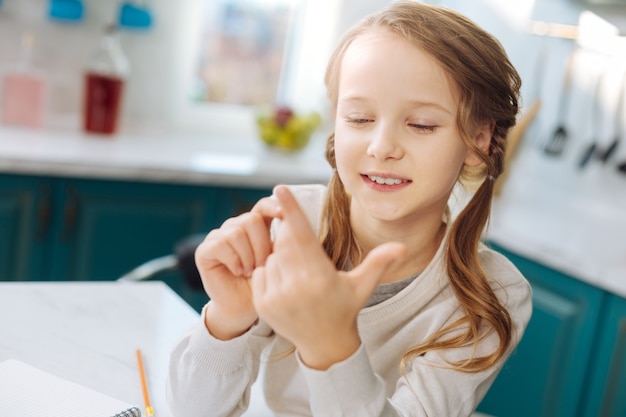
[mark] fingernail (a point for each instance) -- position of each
(280, 190)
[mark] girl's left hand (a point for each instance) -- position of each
(301, 295)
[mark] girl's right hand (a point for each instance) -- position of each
(226, 259)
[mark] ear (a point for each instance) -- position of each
(482, 139)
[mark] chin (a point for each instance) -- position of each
(383, 212)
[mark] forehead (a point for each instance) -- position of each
(381, 61)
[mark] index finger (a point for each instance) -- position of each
(269, 208)
(293, 215)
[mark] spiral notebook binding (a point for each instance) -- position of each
(131, 412)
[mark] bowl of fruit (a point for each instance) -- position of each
(281, 127)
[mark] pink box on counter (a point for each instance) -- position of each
(23, 99)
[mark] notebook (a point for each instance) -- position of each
(27, 391)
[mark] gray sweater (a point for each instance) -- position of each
(210, 377)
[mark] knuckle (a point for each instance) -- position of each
(203, 249)
(263, 203)
(256, 217)
(236, 234)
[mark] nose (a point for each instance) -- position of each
(384, 143)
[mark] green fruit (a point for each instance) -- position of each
(290, 133)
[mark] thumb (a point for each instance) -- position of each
(366, 276)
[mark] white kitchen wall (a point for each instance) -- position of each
(159, 57)
(157, 63)
(63, 50)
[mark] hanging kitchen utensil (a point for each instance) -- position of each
(606, 155)
(587, 155)
(134, 15)
(596, 121)
(617, 124)
(66, 10)
(557, 142)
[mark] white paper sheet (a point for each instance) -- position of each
(27, 391)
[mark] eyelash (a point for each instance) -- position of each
(357, 120)
(419, 127)
(424, 128)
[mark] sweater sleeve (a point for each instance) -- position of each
(352, 389)
(211, 377)
(334, 392)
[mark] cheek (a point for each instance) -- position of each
(442, 159)
(347, 145)
(456, 155)
(452, 162)
(348, 151)
(342, 156)
(461, 153)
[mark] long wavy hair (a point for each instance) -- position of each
(489, 92)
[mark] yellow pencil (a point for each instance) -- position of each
(144, 386)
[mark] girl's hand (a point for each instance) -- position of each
(226, 259)
(305, 299)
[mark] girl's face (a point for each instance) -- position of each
(397, 147)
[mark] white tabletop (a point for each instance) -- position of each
(87, 332)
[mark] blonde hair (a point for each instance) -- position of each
(488, 86)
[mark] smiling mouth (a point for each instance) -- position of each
(386, 180)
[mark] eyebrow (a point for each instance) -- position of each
(412, 103)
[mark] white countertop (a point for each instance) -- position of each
(159, 155)
(570, 220)
(87, 333)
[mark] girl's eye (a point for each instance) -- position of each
(357, 120)
(423, 128)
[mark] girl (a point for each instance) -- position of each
(365, 298)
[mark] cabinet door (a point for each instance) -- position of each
(25, 217)
(108, 227)
(607, 379)
(544, 377)
(234, 201)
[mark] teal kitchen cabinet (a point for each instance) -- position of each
(239, 200)
(106, 228)
(87, 229)
(607, 373)
(547, 374)
(25, 207)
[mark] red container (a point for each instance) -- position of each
(104, 81)
(102, 103)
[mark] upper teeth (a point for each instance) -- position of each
(388, 181)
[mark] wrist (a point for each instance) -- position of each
(324, 355)
(223, 326)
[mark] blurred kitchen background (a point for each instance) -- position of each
(128, 129)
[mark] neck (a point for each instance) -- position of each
(422, 239)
